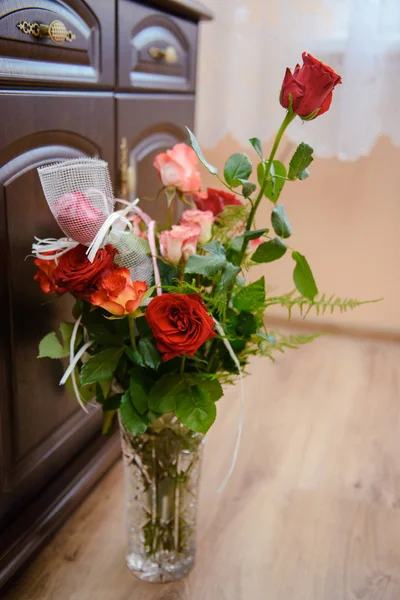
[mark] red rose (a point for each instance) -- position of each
(180, 324)
(311, 87)
(215, 200)
(45, 275)
(78, 275)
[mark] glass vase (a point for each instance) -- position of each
(162, 473)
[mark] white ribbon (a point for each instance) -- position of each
(241, 413)
(73, 360)
(56, 247)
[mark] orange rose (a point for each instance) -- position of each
(45, 276)
(118, 294)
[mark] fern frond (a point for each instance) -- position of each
(321, 305)
(280, 343)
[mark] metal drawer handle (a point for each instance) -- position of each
(56, 31)
(169, 54)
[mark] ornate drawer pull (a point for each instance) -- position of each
(56, 31)
(168, 54)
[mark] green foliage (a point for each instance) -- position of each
(269, 251)
(233, 217)
(303, 277)
(228, 276)
(196, 147)
(280, 222)
(252, 297)
(149, 353)
(210, 264)
(139, 386)
(320, 305)
(277, 342)
(195, 408)
(301, 159)
(50, 347)
(248, 187)
(256, 143)
(101, 365)
(276, 180)
(133, 421)
(162, 396)
(237, 168)
(167, 271)
(255, 234)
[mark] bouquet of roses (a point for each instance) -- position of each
(164, 316)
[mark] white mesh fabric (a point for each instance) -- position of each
(79, 194)
(132, 254)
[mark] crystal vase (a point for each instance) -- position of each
(162, 472)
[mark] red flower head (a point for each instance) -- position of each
(118, 294)
(310, 86)
(45, 275)
(78, 275)
(180, 324)
(215, 200)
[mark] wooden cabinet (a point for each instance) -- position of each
(79, 97)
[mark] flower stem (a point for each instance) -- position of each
(183, 365)
(131, 320)
(285, 123)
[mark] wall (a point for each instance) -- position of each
(346, 220)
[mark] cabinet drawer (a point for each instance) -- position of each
(156, 51)
(58, 43)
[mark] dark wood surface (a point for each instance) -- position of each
(141, 28)
(86, 61)
(51, 453)
(159, 124)
(189, 8)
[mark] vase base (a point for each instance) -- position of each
(169, 567)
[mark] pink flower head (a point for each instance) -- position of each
(77, 217)
(253, 244)
(178, 168)
(136, 228)
(179, 242)
(203, 218)
(215, 200)
(118, 294)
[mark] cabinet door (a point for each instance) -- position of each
(42, 427)
(151, 124)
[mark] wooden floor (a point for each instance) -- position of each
(312, 511)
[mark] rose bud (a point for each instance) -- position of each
(178, 168)
(180, 324)
(179, 242)
(309, 87)
(77, 217)
(215, 200)
(203, 218)
(118, 294)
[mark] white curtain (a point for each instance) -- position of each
(244, 53)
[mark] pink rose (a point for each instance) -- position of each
(178, 168)
(179, 242)
(77, 217)
(215, 200)
(203, 218)
(136, 228)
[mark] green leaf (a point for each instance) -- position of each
(162, 396)
(101, 365)
(195, 409)
(196, 147)
(132, 420)
(214, 248)
(205, 265)
(256, 143)
(276, 181)
(134, 356)
(280, 222)
(300, 160)
(213, 389)
(251, 297)
(228, 276)
(112, 402)
(248, 187)
(255, 234)
(303, 277)
(237, 167)
(108, 420)
(140, 386)
(50, 347)
(99, 394)
(150, 354)
(269, 251)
